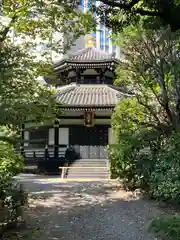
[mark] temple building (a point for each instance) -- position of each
(87, 98)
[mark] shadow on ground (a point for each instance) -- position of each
(87, 210)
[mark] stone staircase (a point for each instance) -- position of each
(89, 169)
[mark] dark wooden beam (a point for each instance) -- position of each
(56, 140)
(82, 117)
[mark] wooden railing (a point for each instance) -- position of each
(65, 168)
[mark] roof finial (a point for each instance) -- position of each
(90, 42)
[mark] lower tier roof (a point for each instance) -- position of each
(88, 95)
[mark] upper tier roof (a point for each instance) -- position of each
(88, 95)
(87, 57)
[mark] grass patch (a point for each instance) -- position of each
(167, 227)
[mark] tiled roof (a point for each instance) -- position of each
(88, 95)
(89, 55)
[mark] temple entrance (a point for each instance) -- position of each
(89, 142)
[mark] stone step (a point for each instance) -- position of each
(87, 177)
(89, 162)
(88, 169)
(90, 166)
(86, 174)
(87, 166)
(85, 169)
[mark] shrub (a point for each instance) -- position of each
(165, 179)
(124, 161)
(133, 159)
(11, 163)
(166, 227)
(12, 197)
(15, 197)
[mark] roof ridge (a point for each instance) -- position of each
(98, 50)
(79, 52)
(111, 87)
(119, 91)
(86, 55)
(66, 88)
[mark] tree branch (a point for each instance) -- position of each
(4, 33)
(129, 7)
(149, 108)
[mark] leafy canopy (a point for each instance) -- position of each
(122, 13)
(151, 71)
(24, 26)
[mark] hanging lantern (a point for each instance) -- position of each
(89, 118)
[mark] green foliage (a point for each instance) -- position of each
(153, 13)
(132, 159)
(166, 227)
(24, 25)
(165, 179)
(151, 71)
(14, 198)
(134, 156)
(11, 193)
(40, 20)
(123, 165)
(126, 116)
(11, 164)
(149, 157)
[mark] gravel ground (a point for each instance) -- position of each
(86, 210)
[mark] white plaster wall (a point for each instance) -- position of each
(64, 136)
(26, 138)
(51, 136)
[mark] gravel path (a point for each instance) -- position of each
(86, 210)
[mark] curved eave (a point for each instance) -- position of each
(84, 108)
(84, 64)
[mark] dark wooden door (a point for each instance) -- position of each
(90, 142)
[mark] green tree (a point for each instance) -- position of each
(127, 116)
(151, 71)
(120, 14)
(24, 25)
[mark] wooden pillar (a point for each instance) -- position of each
(22, 139)
(102, 77)
(78, 76)
(56, 140)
